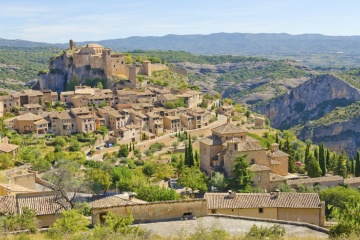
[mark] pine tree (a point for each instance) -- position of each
(357, 164)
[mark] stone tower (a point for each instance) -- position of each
(72, 44)
(147, 67)
(132, 74)
(106, 58)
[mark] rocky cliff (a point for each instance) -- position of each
(316, 109)
(62, 71)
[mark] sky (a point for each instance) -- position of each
(87, 20)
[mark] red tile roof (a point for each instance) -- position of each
(263, 200)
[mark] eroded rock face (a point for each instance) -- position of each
(312, 100)
(308, 101)
(63, 70)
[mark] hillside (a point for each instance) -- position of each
(321, 109)
(312, 49)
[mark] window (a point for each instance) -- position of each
(259, 178)
(261, 210)
(235, 146)
(213, 211)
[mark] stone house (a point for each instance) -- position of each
(172, 123)
(45, 204)
(8, 148)
(147, 211)
(62, 123)
(84, 119)
(229, 141)
(33, 108)
(295, 207)
(30, 122)
(50, 96)
(191, 98)
(156, 123)
(227, 110)
(201, 117)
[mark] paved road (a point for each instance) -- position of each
(232, 226)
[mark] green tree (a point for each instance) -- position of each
(218, 181)
(149, 169)
(6, 161)
(59, 141)
(193, 178)
(156, 193)
(123, 151)
(357, 164)
(289, 150)
(71, 221)
(247, 114)
(322, 159)
(117, 226)
(241, 180)
(74, 145)
(99, 85)
(313, 168)
(98, 180)
(341, 165)
(190, 154)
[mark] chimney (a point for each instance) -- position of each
(275, 194)
(231, 194)
(274, 147)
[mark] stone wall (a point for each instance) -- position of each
(156, 211)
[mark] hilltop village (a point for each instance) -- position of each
(113, 140)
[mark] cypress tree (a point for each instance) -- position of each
(322, 160)
(190, 153)
(186, 158)
(357, 164)
(277, 138)
(352, 166)
(316, 154)
(196, 158)
(327, 158)
(307, 152)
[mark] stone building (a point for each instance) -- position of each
(147, 211)
(229, 141)
(295, 207)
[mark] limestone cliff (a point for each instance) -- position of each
(310, 100)
(316, 110)
(62, 70)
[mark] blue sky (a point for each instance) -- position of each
(59, 21)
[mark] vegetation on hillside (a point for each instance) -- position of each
(24, 63)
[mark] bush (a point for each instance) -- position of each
(139, 162)
(274, 232)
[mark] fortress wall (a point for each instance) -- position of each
(158, 67)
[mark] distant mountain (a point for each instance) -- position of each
(24, 43)
(228, 43)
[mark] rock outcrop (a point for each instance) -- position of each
(314, 100)
(308, 101)
(62, 70)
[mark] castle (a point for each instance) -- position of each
(99, 57)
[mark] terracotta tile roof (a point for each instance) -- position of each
(7, 204)
(258, 168)
(15, 188)
(275, 177)
(244, 145)
(212, 140)
(7, 147)
(28, 117)
(315, 180)
(42, 204)
(60, 115)
(263, 200)
(41, 121)
(86, 116)
(115, 201)
(279, 153)
(169, 97)
(32, 105)
(94, 45)
(228, 128)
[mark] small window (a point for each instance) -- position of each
(213, 211)
(261, 210)
(259, 178)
